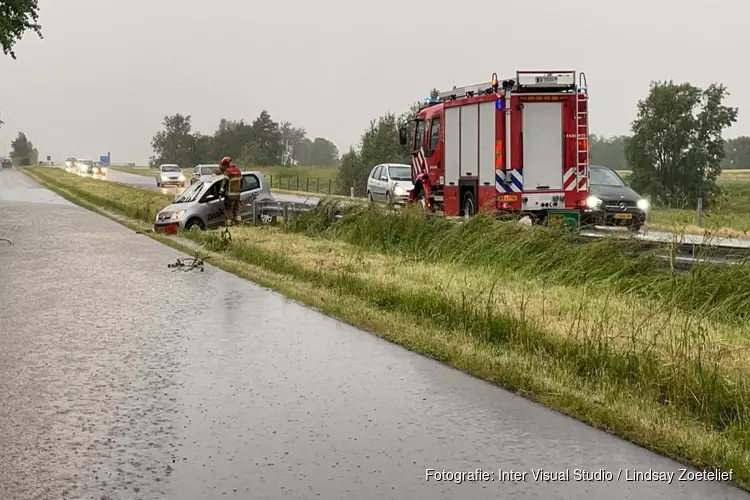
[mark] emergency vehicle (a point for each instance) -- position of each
(517, 146)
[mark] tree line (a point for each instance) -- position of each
(610, 152)
(676, 150)
(22, 151)
(260, 143)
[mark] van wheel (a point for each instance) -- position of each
(469, 205)
(195, 222)
(369, 197)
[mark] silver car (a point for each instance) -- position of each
(170, 174)
(390, 182)
(200, 205)
(203, 173)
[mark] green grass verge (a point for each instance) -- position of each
(496, 301)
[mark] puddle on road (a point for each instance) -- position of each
(32, 195)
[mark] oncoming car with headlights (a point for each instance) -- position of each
(88, 167)
(201, 206)
(170, 174)
(612, 202)
(390, 182)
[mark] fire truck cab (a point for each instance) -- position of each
(517, 146)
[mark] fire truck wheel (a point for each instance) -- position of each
(469, 205)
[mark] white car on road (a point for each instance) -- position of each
(390, 182)
(170, 174)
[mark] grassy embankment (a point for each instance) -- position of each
(592, 330)
(729, 216)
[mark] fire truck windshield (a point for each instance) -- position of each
(400, 173)
(603, 176)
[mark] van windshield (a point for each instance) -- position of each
(191, 194)
(208, 170)
(400, 173)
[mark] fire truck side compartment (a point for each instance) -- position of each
(542, 146)
(487, 192)
(452, 145)
(469, 120)
(452, 155)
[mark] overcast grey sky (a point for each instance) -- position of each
(107, 71)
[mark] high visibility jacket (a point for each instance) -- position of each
(231, 185)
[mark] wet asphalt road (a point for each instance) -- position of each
(123, 380)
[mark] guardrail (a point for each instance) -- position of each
(284, 210)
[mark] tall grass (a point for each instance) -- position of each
(539, 253)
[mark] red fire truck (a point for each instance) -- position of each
(517, 146)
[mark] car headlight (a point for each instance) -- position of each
(642, 204)
(95, 170)
(399, 191)
(593, 202)
(181, 177)
(104, 170)
(177, 215)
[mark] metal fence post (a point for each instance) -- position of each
(286, 212)
(351, 192)
(329, 186)
(317, 189)
(307, 184)
(271, 181)
(255, 213)
(700, 212)
(647, 219)
(297, 183)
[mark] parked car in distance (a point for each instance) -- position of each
(390, 182)
(170, 174)
(6, 163)
(203, 172)
(612, 202)
(201, 206)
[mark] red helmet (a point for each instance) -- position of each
(226, 161)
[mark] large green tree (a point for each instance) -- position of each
(23, 152)
(176, 143)
(677, 148)
(264, 147)
(16, 18)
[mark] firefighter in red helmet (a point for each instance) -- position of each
(230, 190)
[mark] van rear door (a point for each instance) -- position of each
(542, 128)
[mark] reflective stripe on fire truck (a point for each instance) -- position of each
(569, 179)
(515, 187)
(517, 175)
